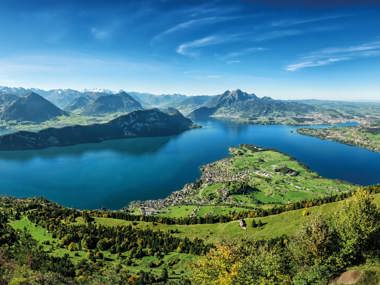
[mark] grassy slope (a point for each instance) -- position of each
(276, 225)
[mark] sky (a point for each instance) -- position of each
(282, 49)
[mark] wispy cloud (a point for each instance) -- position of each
(190, 48)
(193, 23)
(277, 34)
(242, 52)
(299, 21)
(233, 61)
(332, 55)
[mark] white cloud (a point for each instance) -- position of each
(314, 63)
(191, 24)
(332, 55)
(294, 22)
(188, 48)
(242, 52)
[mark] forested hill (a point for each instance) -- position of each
(140, 123)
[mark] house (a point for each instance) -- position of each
(147, 211)
(243, 224)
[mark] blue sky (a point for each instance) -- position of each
(290, 50)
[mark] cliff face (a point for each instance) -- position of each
(143, 123)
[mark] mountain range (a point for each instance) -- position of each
(146, 123)
(110, 103)
(232, 104)
(237, 104)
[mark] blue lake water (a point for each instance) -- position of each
(113, 173)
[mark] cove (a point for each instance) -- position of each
(113, 173)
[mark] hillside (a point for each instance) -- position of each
(112, 103)
(78, 241)
(6, 100)
(135, 124)
(363, 136)
(31, 108)
(78, 103)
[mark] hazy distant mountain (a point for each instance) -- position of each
(59, 97)
(112, 103)
(150, 100)
(190, 103)
(241, 105)
(6, 100)
(19, 91)
(79, 103)
(139, 123)
(33, 108)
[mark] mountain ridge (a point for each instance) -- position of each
(147, 123)
(33, 108)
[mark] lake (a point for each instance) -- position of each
(113, 173)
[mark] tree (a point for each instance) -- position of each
(72, 246)
(218, 267)
(358, 225)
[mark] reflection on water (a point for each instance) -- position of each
(127, 146)
(112, 173)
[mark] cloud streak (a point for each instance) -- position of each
(295, 22)
(333, 55)
(193, 23)
(190, 48)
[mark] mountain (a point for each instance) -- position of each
(6, 100)
(112, 103)
(191, 103)
(19, 91)
(78, 103)
(237, 104)
(229, 98)
(59, 97)
(32, 108)
(141, 123)
(158, 101)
